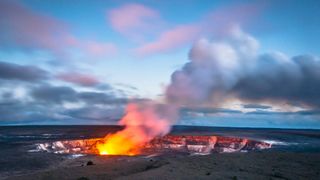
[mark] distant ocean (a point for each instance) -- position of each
(18, 142)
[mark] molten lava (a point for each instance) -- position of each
(143, 122)
(120, 143)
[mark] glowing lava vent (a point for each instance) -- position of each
(167, 144)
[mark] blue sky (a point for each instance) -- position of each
(104, 54)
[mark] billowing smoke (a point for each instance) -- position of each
(214, 69)
(276, 77)
(232, 67)
(148, 120)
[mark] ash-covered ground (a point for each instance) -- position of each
(294, 155)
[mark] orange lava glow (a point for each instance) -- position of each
(118, 144)
(142, 123)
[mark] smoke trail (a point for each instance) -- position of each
(217, 70)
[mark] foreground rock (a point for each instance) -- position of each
(255, 165)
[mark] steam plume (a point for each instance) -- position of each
(217, 70)
(232, 67)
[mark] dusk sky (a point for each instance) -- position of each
(226, 63)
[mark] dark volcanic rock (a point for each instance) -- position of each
(89, 163)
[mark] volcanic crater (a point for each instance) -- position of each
(188, 144)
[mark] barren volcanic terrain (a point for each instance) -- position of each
(254, 165)
(188, 153)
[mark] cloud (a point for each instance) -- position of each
(255, 106)
(48, 104)
(216, 23)
(205, 111)
(24, 29)
(96, 113)
(169, 40)
(301, 113)
(54, 94)
(132, 19)
(22, 111)
(101, 98)
(59, 94)
(293, 80)
(11, 71)
(246, 120)
(232, 68)
(309, 112)
(79, 78)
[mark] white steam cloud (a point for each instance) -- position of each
(217, 70)
(232, 67)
